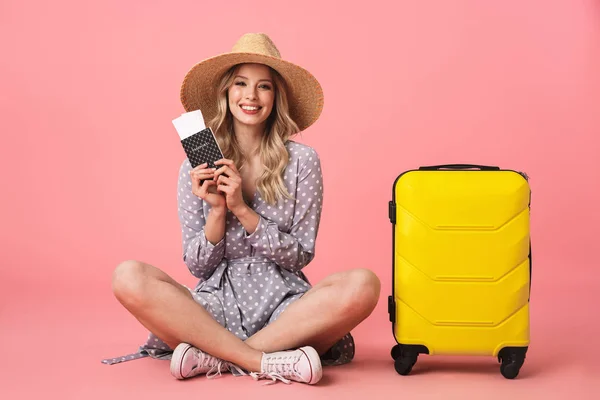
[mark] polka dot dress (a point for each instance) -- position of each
(247, 280)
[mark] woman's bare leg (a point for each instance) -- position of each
(328, 311)
(168, 310)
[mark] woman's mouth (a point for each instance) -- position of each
(251, 110)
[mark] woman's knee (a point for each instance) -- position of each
(363, 289)
(128, 282)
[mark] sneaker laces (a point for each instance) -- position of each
(217, 368)
(279, 368)
(215, 365)
(272, 375)
(237, 371)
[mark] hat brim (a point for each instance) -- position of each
(199, 87)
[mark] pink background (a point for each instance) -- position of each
(90, 161)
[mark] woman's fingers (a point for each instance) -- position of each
(206, 188)
(225, 189)
(202, 190)
(227, 171)
(222, 179)
(227, 162)
(201, 169)
(212, 187)
(198, 168)
(227, 167)
(200, 173)
(207, 183)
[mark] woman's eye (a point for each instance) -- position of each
(240, 83)
(267, 87)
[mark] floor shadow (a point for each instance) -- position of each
(426, 365)
(326, 380)
(535, 365)
(538, 363)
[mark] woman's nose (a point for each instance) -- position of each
(251, 93)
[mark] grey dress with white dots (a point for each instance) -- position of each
(247, 280)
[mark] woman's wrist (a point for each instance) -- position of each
(240, 210)
(215, 224)
(247, 217)
(218, 212)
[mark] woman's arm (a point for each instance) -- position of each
(203, 238)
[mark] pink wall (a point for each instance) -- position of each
(90, 158)
(89, 166)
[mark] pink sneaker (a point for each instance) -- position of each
(302, 365)
(188, 361)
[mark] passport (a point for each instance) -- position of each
(198, 141)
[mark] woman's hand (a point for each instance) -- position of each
(229, 182)
(206, 191)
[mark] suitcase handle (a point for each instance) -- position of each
(459, 166)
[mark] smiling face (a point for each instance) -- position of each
(251, 95)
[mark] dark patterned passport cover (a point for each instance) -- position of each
(202, 147)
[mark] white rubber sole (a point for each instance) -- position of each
(315, 362)
(178, 354)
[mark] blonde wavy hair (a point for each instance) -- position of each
(273, 153)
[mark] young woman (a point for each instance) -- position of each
(249, 227)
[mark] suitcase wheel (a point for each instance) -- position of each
(396, 351)
(405, 357)
(405, 363)
(512, 359)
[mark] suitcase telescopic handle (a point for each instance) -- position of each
(459, 166)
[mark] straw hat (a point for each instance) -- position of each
(199, 87)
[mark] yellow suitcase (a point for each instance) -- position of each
(461, 264)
